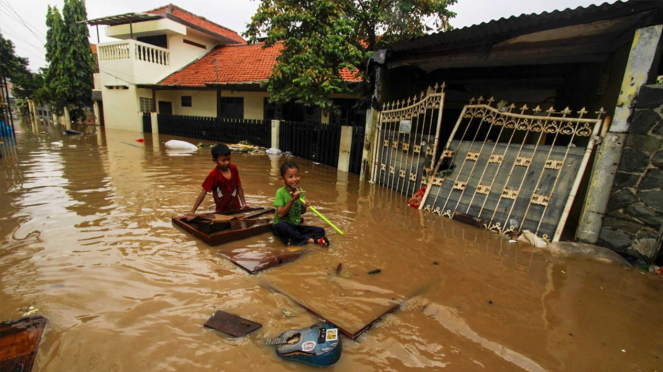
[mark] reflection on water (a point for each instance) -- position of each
(87, 240)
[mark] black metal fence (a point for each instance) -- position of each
(256, 132)
(147, 122)
(314, 141)
(357, 149)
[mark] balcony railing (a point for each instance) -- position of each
(114, 51)
(134, 50)
(149, 53)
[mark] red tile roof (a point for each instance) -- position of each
(197, 20)
(237, 64)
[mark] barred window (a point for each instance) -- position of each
(146, 104)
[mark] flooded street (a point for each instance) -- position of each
(87, 240)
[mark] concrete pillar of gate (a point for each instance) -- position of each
(369, 136)
(643, 59)
(276, 127)
(67, 119)
(95, 108)
(155, 122)
(345, 149)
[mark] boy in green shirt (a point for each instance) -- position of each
(289, 210)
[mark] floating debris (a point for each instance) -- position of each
(287, 313)
(377, 271)
(339, 268)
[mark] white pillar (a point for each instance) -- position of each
(155, 122)
(345, 149)
(276, 127)
(367, 153)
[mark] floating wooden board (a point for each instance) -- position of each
(230, 324)
(255, 260)
(351, 333)
(19, 342)
(227, 227)
(228, 230)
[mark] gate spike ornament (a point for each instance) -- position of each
(480, 100)
(490, 101)
(472, 100)
(523, 109)
(537, 109)
(600, 112)
(582, 112)
(550, 111)
(566, 111)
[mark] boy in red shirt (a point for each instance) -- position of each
(223, 182)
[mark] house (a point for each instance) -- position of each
(171, 61)
(606, 56)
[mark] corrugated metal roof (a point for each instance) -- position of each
(486, 33)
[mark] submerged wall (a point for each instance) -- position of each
(635, 211)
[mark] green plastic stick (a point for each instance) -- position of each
(323, 217)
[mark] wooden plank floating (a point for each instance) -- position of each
(230, 324)
(19, 342)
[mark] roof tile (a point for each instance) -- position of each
(197, 20)
(236, 64)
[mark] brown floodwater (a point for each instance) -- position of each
(87, 241)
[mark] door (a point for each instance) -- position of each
(165, 107)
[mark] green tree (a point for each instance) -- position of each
(26, 84)
(55, 79)
(321, 38)
(69, 79)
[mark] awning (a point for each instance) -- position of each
(121, 19)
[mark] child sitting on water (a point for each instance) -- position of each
(289, 209)
(223, 182)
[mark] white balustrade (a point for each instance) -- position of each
(149, 53)
(114, 51)
(141, 52)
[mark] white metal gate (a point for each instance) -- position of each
(513, 171)
(406, 140)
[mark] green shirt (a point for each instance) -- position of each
(294, 215)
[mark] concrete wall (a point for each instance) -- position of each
(121, 110)
(635, 210)
(203, 103)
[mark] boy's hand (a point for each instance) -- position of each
(246, 206)
(296, 194)
(306, 204)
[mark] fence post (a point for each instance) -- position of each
(155, 122)
(276, 126)
(368, 150)
(345, 149)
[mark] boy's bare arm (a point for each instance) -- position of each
(240, 192)
(200, 199)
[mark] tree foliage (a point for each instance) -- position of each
(322, 37)
(69, 79)
(26, 84)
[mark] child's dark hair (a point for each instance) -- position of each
(287, 165)
(220, 150)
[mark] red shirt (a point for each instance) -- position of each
(224, 190)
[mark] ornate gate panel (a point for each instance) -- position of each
(513, 171)
(406, 140)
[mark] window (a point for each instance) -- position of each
(146, 104)
(348, 114)
(157, 40)
(186, 101)
(232, 107)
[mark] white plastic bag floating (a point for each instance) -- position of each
(181, 145)
(273, 151)
(528, 237)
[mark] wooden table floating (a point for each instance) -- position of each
(217, 229)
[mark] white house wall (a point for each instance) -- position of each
(121, 109)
